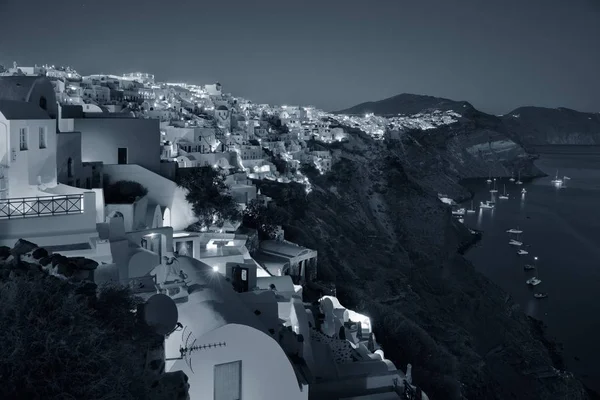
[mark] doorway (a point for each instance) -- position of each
(240, 279)
(122, 155)
(153, 243)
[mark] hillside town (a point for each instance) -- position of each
(262, 325)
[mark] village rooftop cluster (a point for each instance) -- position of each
(256, 334)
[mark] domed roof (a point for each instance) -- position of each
(222, 108)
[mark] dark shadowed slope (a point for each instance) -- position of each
(407, 104)
(543, 126)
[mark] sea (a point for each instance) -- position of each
(561, 227)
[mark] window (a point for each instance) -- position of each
(42, 137)
(43, 103)
(23, 139)
(228, 381)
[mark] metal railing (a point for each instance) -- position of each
(24, 207)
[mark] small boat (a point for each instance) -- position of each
(533, 281)
(557, 181)
(460, 211)
(504, 196)
(512, 177)
(514, 242)
(494, 190)
(515, 231)
(486, 205)
(529, 267)
(471, 210)
(540, 295)
(523, 191)
(518, 182)
(489, 180)
(522, 252)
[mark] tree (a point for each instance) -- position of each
(208, 195)
(264, 219)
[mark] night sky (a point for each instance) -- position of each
(496, 54)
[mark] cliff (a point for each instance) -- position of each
(536, 126)
(391, 247)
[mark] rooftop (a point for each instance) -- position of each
(21, 110)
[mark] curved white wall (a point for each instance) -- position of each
(267, 374)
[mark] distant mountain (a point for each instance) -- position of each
(528, 126)
(407, 104)
(546, 126)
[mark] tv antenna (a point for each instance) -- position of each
(189, 346)
(160, 313)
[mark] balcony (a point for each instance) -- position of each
(25, 207)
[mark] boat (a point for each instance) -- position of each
(533, 281)
(515, 231)
(518, 182)
(471, 210)
(529, 267)
(522, 252)
(557, 181)
(494, 190)
(485, 205)
(504, 196)
(565, 179)
(512, 177)
(489, 180)
(517, 241)
(460, 211)
(540, 295)
(523, 191)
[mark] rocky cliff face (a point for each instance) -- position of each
(546, 126)
(391, 248)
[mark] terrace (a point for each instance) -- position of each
(24, 207)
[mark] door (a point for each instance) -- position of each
(240, 278)
(122, 155)
(228, 381)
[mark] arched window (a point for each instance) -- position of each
(43, 103)
(70, 168)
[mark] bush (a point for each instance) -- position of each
(123, 192)
(264, 219)
(59, 342)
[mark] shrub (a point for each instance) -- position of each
(61, 342)
(123, 192)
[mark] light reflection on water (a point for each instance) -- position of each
(562, 227)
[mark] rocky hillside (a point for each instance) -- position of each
(391, 246)
(546, 126)
(528, 126)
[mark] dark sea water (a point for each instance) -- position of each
(562, 228)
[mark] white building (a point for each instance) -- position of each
(32, 204)
(115, 139)
(213, 90)
(233, 356)
(140, 77)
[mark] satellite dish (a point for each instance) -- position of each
(160, 313)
